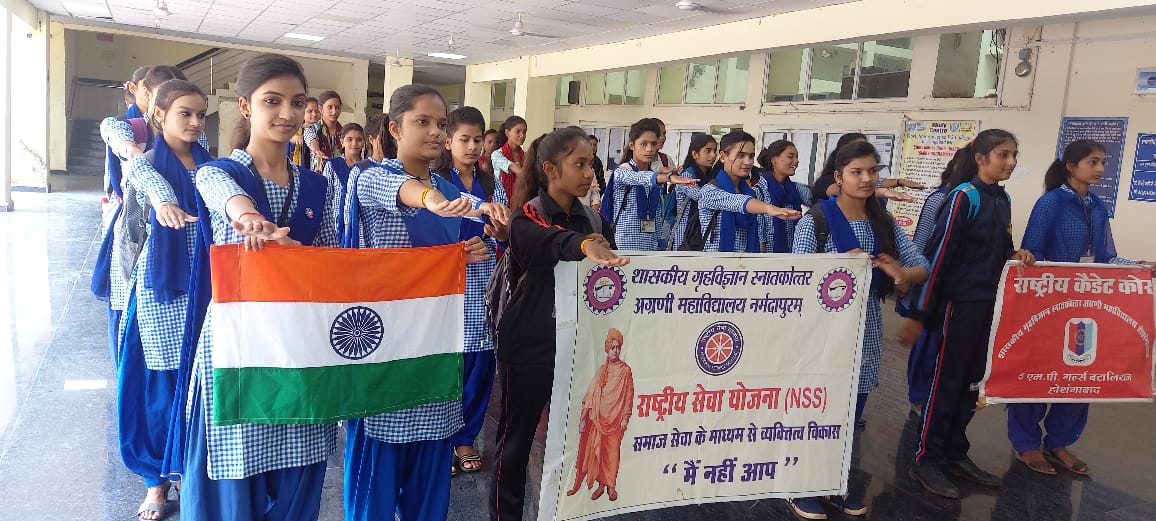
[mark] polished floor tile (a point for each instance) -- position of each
(59, 457)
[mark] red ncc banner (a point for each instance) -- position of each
(1071, 333)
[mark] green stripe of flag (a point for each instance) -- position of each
(327, 394)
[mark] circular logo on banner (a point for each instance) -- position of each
(356, 332)
(605, 289)
(837, 289)
(718, 348)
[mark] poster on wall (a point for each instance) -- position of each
(1110, 132)
(928, 145)
(1144, 169)
(1067, 332)
(680, 379)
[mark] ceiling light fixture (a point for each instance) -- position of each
(162, 9)
(688, 5)
(452, 46)
(446, 55)
(308, 37)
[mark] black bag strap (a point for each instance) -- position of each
(822, 231)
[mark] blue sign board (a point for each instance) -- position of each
(1144, 169)
(1109, 132)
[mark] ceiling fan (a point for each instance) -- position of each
(519, 29)
(394, 60)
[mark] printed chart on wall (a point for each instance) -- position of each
(1109, 132)
(682, 379)
(928, 146)
(1144, 169)
(1068, 332)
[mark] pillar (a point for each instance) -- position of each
(477, 95)
(6, 112)
(57, 117)
(534, 100)
(28, 56)
(398, 72)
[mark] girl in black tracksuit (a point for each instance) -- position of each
(549, 225)
(971, 243)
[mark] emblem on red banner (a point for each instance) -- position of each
(1080, 342)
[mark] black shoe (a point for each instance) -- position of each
(966, 469)
(934, 480)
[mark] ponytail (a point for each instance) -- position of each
(552, 147)
(533, 177)
(1076, 151)
(983, 144)
(241, 132)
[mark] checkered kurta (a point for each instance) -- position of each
(766, 222)
(477, 334)
(908, 255)
(116, 131)
(161, 324)
(382, 223)
(628, 234)
(240, 451)
(713, 199)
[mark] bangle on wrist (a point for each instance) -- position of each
(582, 245)
(423, 194)
(258, 214)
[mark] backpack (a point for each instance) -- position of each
(500, 291)
(694, 238)
(822, 230)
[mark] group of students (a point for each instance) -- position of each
(422, 176)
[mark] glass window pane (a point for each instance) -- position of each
(806, 143)
(732, 79)
(885, 146)
(886, 69)
(771, 137)
(635, 86)
(684, 139)
(833, 71)
(786, 76)
(596, 88)
(968, 64)
(564, 90)
(671, 80)
(498, 95)
(615, 87)
(700, 82)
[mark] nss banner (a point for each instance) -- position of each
(1068, 332)
(687, 378)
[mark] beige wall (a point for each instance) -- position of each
(1098, 83)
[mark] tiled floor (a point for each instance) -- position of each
(58, 446)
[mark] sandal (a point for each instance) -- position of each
(151, 507)
(1077, 467)
(468, 462)
(1040, 467)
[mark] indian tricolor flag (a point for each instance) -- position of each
(315, 335)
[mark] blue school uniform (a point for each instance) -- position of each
(155, 315)
(722, 214)
(479, 362)
(398, 462)
(250, 471)
(864, 238)
(107, 282)
(1063, 227)
(630, 210)
(779, 234)
(921, 358)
